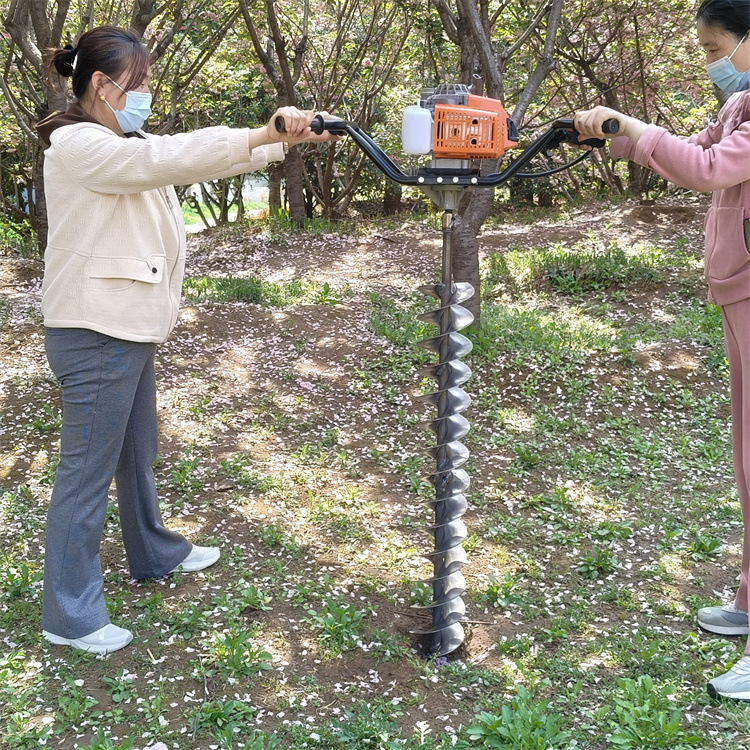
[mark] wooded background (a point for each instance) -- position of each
(233, 62)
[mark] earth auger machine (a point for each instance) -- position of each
(454, 128)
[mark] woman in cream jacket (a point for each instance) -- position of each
(114, 265)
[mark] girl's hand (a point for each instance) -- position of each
(297, 127)
(589, 124)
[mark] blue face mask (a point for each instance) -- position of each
(135, 112)
(725, 76)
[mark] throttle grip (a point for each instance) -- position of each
(318, 124)
(610, 127)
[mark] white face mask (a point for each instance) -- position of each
(135, 112)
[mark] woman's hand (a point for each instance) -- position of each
(297, 127)
(589, 124)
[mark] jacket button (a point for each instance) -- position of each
(154, 270)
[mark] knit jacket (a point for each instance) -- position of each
(115, 255)
(716, 159)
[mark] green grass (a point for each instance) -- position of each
(252, 290)
(586, 266)
(602, 515)
(191, 216)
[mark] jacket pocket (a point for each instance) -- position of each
(726, 251)
(117, 274)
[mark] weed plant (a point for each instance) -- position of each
(522, 724)
(646, 718)
(337, 625)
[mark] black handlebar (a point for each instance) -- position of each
(318, 125)
(561, 131)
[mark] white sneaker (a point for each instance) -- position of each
(103, 641)
(198, 559)
(734, 684)
(724, 620)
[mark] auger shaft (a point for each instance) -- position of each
(447, 271)
(448, 478)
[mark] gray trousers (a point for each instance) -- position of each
(109, 430)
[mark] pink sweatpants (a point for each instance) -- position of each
(736, 319)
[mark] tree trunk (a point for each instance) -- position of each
(392, 198)
(475, 40)
(38, 203)
(473, 210)
(295, 181)
(638, 178)
(275, 173)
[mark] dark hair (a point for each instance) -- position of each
(107, 49)
(732, 16)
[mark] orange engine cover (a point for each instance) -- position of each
(478, 130)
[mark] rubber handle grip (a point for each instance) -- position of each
(610, 127)
(318, 124)
(569, 134)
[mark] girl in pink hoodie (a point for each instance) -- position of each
(718, 160)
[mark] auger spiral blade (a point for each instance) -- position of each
(451, 638)
(460, 292)
(452, 401)
(453, 483)
(449, 456)
(449, 347)
(448, 478)
(448, 429)
(445, 589)
(447, 561)
(449, 535)
(455, 316)
(444, 615)
(448, 375)
(448, 509)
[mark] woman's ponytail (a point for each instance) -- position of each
(64, 60)
(107, 49)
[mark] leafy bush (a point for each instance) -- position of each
(17, 238)
(525, 724)
(233, 653)
(647, 719)
(337, 626)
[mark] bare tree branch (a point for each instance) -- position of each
(527, 32)
(546, 62)
(17, 23)
(448, 18)
(20, 121)
(483, 46)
